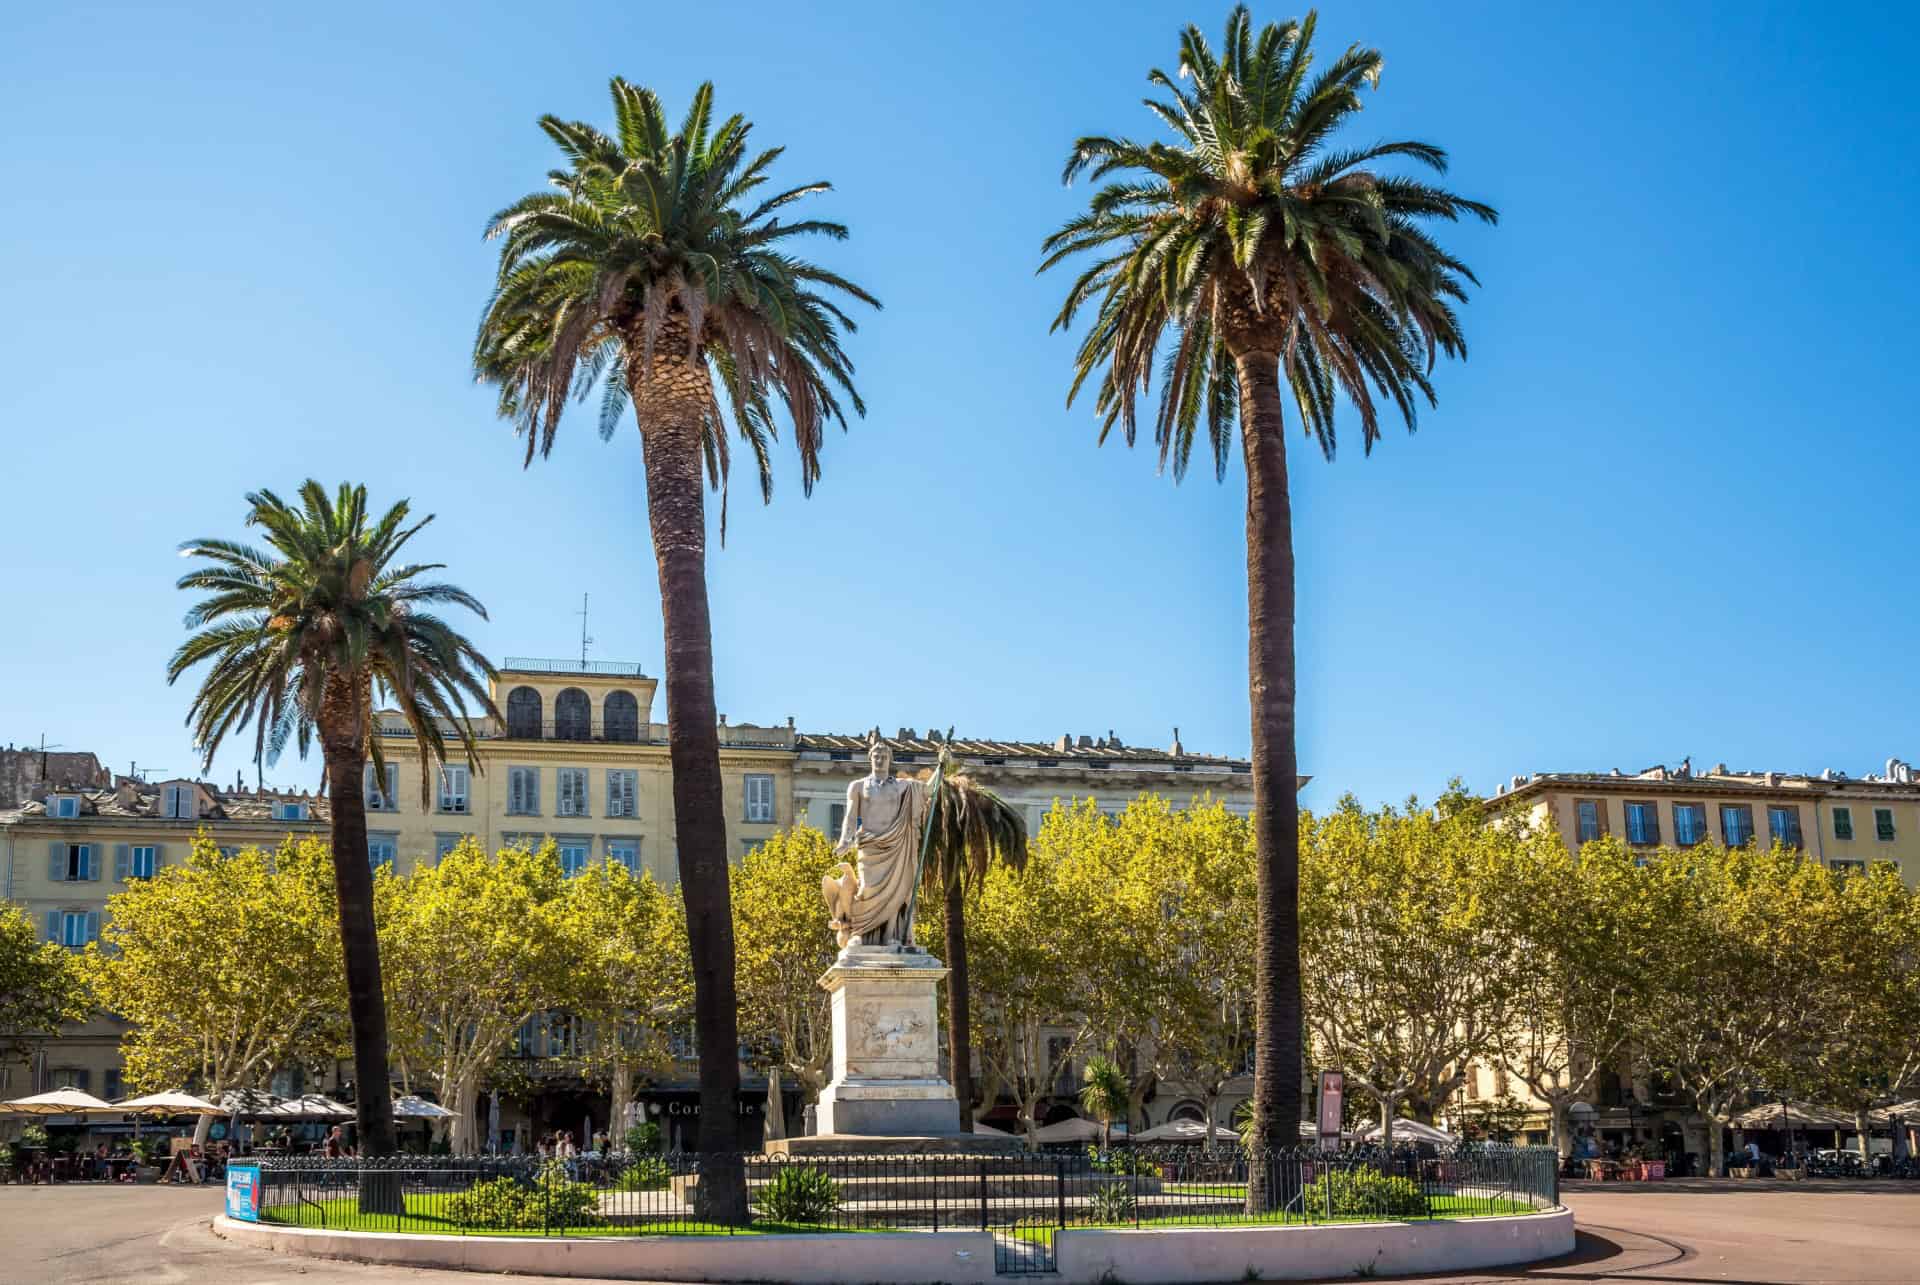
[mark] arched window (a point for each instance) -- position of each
(572, 715)
(1188, 1111)
(523, 713)
(622, 717)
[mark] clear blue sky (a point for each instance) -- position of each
(1664, 509)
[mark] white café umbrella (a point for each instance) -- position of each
(61, 1102)
(313, 1106)
(1180, 1131)
(170, 1103)
(249, 1103)
(1075, 1130)
(1409, 1131)
(413, 1107)
(981, 1127)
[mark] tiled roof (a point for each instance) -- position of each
(144, 801)
(1075, 751)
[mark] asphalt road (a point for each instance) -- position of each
(1656, 1234)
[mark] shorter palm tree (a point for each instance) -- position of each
(304, 636)
(1104, 1095)
(972, 828)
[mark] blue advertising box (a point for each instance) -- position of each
(243, 1191)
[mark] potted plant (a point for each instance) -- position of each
(148, 1151)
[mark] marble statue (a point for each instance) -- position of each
(870, 901)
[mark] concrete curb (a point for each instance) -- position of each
(1175, 1255)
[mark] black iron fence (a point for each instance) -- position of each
(1022, 1198)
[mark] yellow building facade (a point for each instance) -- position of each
(1842, 821)
(575, 757)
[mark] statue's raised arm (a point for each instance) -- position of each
(870, 902)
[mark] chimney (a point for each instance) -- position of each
(1178, 749)
(1064, 744)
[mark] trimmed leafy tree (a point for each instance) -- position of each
(1248, 253)
(270, 995)
(39, 986)
(1406, 917)
(784, 946)
(309, 635)
(655, 266)
(476, 945)
(627, 977)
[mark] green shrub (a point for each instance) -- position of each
(505, 1204)
(498, 1202)
(34, 1137)
(799, 1194)
(644, 1173)
(643, 1139)
(1111, 1202)
(1122, 1161)
(1359, 1193)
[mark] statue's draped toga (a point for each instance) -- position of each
(870, 903)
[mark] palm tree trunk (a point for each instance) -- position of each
(670, 400)
(959, 1002)
(343, 742)
(1276, 805)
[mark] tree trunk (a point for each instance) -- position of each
(1562, 1136)
(670, 401)
(343, 733)
(1860, 1126)
(959, 1019)
(1386, 1125)
(622, 1095)
(1276, 804)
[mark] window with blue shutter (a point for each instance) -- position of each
(523, 791)
(1643, 824)
(759, 792)
(1785, 825)
(1736, 824)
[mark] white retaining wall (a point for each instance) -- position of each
(1197, 1255)
(1175, 1255)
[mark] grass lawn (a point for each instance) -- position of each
(344, 1215)
(1442, 1206)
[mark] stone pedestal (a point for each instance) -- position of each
(886, 1050)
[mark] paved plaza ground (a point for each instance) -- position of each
(1681, 1233)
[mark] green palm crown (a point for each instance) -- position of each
(1252, 233)
(647, 238)
(326, 609)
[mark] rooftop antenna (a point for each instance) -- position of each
(585, 641)
(44, 747)
(133, 769)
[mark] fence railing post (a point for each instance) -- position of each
(1060, 1192)
(983, 1195)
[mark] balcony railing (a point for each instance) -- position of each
(574, 729)
(608, 668)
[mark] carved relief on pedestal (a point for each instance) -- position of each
(881, 1032)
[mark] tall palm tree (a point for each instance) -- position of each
(654, 266)
(306, 636)
(972, 828)
(1248, 252)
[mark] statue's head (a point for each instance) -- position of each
(880, 758)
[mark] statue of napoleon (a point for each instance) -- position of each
(870, 902)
